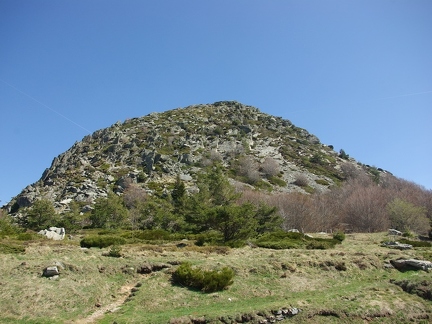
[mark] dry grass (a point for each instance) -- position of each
(346, 284)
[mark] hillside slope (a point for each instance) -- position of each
(257, 149)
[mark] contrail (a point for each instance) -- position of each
(41, 103)
(406, 95)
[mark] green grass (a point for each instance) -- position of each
(345, 284)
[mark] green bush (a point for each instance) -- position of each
(205, 280)
(416, 243)
(209, 238)
(322, 182)
(26, 236)
(7, 248)
(320, 245)
(277, 181)
(7, 227)
(292, 240)
(101, 241)
(339, 235)
(114, 252)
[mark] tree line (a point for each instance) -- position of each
(360, 204)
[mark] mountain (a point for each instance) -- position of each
(257, 150)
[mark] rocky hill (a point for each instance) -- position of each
(258, 150)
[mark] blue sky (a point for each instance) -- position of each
(357, 74)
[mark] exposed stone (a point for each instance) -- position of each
(397, 245)
(394, 232)
(50, 271)
(54, 233)
(411, 264)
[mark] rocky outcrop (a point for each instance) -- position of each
(54, 233)
(152, 150)
(396, 245)
(411, 264)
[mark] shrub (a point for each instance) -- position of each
(114, 252)
(322, 182)
(209, 238)
(321, 244)
(205, 280)
(153, 235)
(301, 180)
(339, 235)
(277, 181)
(7, 227)
(293, 240)
(26, 236)
(343, 155)
(7, 248)
(101, 241)
(416, 243)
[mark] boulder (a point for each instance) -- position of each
(411, 264)
(54, 233)
(50, 272)
(394, 232)
(397, 245)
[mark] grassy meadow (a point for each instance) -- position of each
(350, 283)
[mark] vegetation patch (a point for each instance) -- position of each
(322, 182)
(415, 243)
(292, 240)
(10, 248)
(101, 241)
(422, 288)
(204, 280)
(277, 181)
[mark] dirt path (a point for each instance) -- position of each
(112, 307)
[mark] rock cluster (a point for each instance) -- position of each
(397, 245)
(261, 317)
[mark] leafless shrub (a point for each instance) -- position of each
(215, 156)
(301, 180)
(350, 171)
(270, 167)
(134, 195)
(248, 168)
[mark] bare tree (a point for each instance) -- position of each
(134, 195)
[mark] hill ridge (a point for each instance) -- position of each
(257, 149)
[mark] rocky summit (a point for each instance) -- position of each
(257, 150)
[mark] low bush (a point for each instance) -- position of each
(209, 238)
(416, 243)
(7, 248)
(292, 240)
(205, 280)
(321, 244)
(339, 235)
(153, 235)
(277, 181)
(7, 227)
(101, 241)
(27, 236)
(114, 252)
